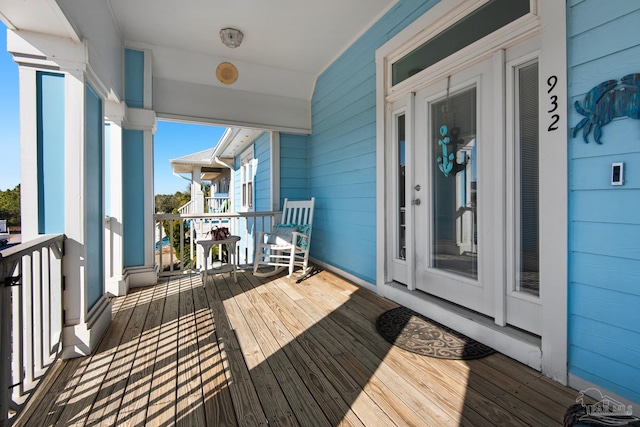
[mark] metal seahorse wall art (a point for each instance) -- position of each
(607, 101)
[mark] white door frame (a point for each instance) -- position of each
(548, 19)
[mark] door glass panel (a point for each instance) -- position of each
(487, 19)
(529, 257)
(402, 217)
(454, 184)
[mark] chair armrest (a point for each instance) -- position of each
(294, 239)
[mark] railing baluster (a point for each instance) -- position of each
(30, 294)
(5, 349)
(238, 223)
(45, 297)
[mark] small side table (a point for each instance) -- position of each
(230, 243)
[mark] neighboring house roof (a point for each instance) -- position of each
(232, 143)
(186, 163)
(210, 169)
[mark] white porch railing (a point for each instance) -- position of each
(217, 204)
(31, 319)
(187, 208)
(176, 254)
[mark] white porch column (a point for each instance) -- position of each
(61, 131)
(197, 196)
(140, 267)
(138, 192)
(114, 279)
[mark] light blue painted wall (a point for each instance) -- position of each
(133, 197)
(342, 149)
(237, 185)
(261, 191)
(94, 200)
(262, 180)
(604, 259)
(50, 149)
(134, 78)
(133, 164)
(294, 183)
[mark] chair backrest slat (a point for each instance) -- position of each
(298, 212)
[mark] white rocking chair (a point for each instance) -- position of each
(289, 241)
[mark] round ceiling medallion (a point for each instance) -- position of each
(227, 73)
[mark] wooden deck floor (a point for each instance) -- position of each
(276, 352)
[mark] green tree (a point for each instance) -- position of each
(170, 203)
(10, 206)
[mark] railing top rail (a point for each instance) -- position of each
(25, 248)
(216, 215)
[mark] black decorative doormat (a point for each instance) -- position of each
(416, 333)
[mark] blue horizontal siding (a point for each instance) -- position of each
(603, 340)
(617, 377)
(606, 38)
(294, 182)
(597, 270)
(589, 15)
(587, 206)
(604, 228)
(342, 149)
(607, 239)
(262, 182)
(614, 66)
(599, 176)
(609, 307)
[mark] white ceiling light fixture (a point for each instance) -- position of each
(231, 37)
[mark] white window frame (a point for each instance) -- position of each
(247, 179)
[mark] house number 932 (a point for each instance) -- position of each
(553, 103)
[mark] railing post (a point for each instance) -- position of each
(5, 345)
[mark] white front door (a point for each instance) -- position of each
(471, 142)
(469, 205)
(454, 189)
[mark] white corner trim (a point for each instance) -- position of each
(140, 119)
(275, 171)
(554, 185)
(381, 203)
(46, 51)
(82, 339)
(137, 277)
(147, 90)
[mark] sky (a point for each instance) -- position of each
(9, 117)
(171, 140)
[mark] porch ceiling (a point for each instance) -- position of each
(286, 45)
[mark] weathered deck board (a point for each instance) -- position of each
(272, 351)
(161, 408)
(136, 394)
(218, 405)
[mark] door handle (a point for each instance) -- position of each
(416, 202)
